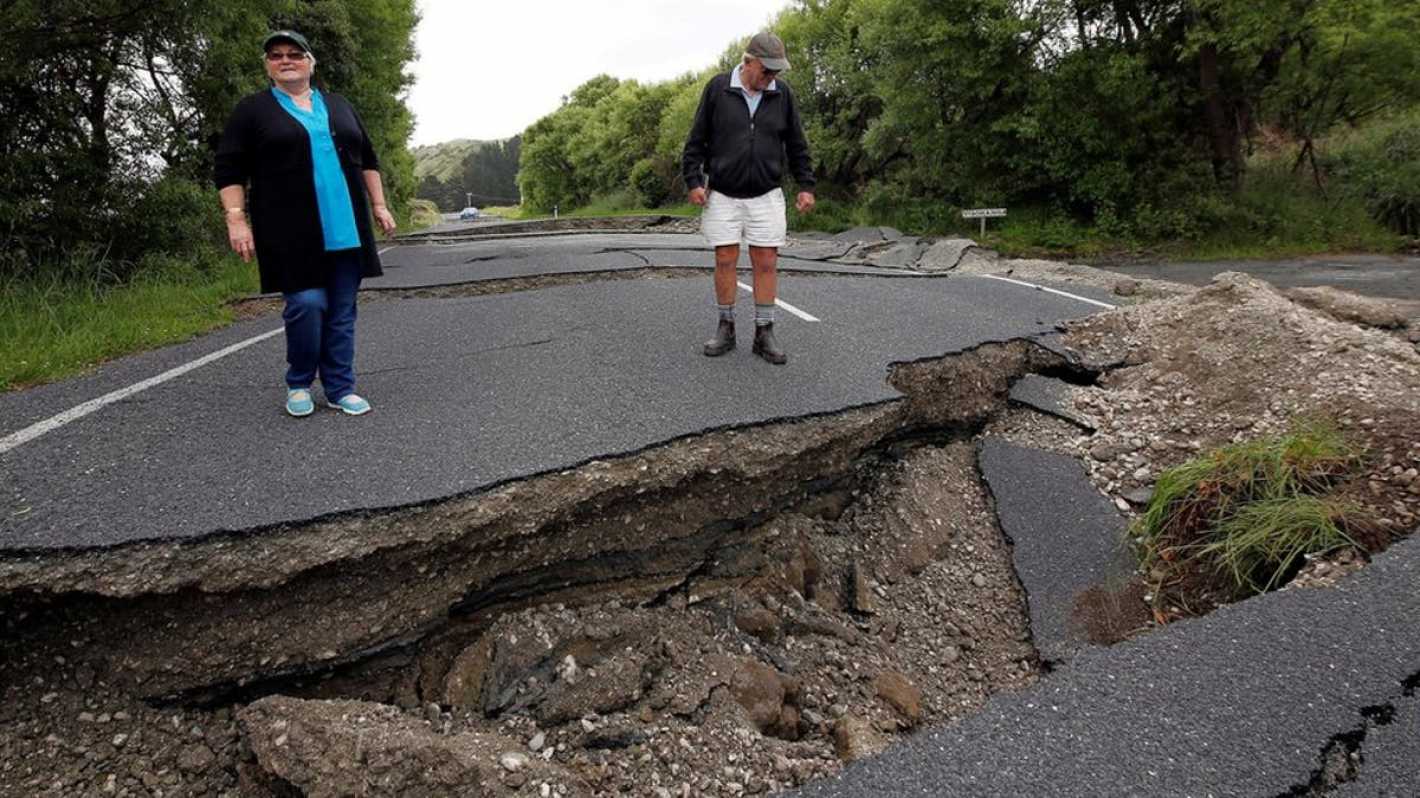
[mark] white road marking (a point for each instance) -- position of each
(386, 249)
(73, 414)
(1049, 290)
(781, 303)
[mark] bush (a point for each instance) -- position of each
(1380, 167)
(649, 183)
(1248, 513)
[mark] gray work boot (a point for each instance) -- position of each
(723, 341)
(766, 347)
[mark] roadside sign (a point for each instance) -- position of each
(983, 214)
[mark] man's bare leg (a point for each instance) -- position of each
(766, 289)
(726, 286)
(726, 281)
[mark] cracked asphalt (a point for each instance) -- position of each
(474, 391)
(468, 393)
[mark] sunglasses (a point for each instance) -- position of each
(287, 55)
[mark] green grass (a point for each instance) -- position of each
(1264, 540)
(56, 327)
(1249, 512)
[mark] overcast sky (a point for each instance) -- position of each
(487, 70)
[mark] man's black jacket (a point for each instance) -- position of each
(744, 157)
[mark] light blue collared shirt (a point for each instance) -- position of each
(751, 99)
(337, 214)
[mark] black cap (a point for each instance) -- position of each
(286, 36)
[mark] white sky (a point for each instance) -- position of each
(489, 68)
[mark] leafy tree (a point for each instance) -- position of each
(109, 110)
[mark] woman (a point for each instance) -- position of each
(310, 165)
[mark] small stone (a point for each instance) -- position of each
(863, 599)
(513, 761)
(1121, 504)
(537, 741)
(901, 694)
(1126, 287)
(1139, 497)
(978, 579)
(119, 740)
(855, 738)
(951, 654)
(196, 759)
(432, 712)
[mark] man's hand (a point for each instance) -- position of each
(697, 196)
(239, 237)
(805, 202)
(385, 219)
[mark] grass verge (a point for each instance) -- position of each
(56, 327)
(1240, 520)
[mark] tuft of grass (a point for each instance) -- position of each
(1248, 513)
(56, 326)
(1264, 541)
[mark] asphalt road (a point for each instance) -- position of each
(469, 392)
(477, 390)
(1391, 277)
(424, 265)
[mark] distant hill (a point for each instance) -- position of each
(445, 159)
(454, 173)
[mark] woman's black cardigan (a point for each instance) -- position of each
(264, 147)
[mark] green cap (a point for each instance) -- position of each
(769, 49)
(286, 36)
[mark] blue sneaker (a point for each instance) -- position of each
(351, 405)
(299, 402)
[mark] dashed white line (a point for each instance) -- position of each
(1050, 291)
(73, 414)
(781, 303)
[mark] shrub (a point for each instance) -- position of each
(1246, 514)
(649, 183)
(1381, 167)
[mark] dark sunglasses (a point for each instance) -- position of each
(290, 55)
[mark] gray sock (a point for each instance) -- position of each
(763, 314)
(727, 312)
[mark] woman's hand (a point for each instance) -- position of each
(385, 219)
(239, 237)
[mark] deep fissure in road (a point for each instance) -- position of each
(780, 598)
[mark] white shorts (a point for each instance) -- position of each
(758, 221)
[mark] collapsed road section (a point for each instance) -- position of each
(728, 613)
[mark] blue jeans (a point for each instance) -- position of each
(320, 329)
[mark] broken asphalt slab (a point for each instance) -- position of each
(1241, 702)
(1066, 538)
(1050, 396)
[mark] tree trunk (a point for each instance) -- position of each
(1222, 121)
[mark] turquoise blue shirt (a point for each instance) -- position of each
(751, 100)
(337, 214)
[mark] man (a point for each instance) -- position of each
(746, 123)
